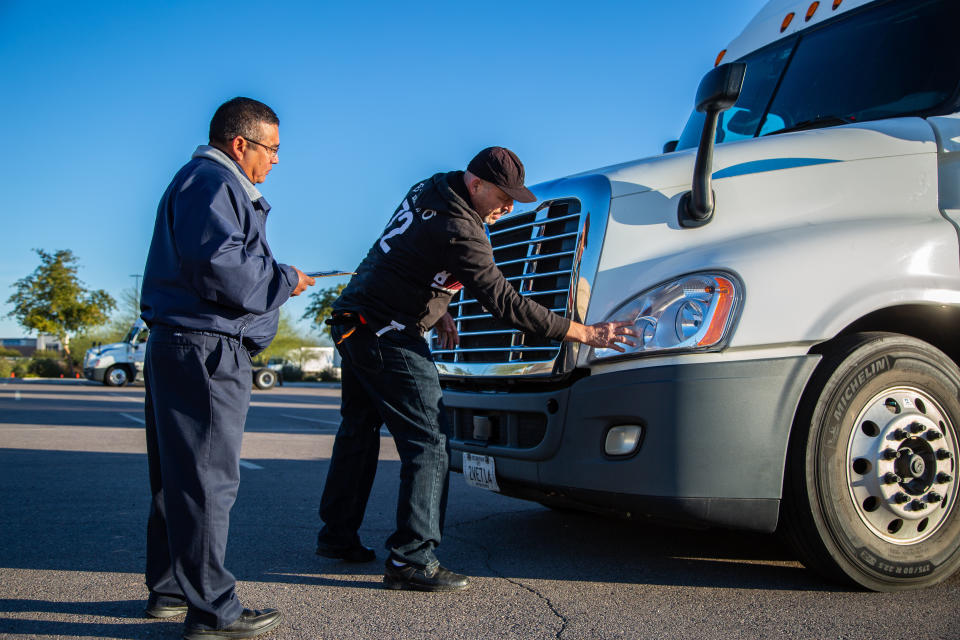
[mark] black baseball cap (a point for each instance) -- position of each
(503, 168)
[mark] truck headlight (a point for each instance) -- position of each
(692, 313)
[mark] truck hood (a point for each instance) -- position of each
(107, 348)
(673, 172)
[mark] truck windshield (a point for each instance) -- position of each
(137, 335)
(894, 59)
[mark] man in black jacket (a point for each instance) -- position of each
(433, 246)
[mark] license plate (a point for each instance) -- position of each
(480, 471)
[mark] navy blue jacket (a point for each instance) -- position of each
(209, 266)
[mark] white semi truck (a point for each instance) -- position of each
(792, 265)
(119, 363)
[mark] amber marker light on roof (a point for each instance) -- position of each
(812, 10)
(786, 22)
(720, 57)
(836, 3)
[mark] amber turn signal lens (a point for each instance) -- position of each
(786, 22)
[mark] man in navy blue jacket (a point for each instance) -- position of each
(212, 291)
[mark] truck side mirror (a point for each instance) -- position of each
(718, 91)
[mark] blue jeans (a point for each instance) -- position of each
(389, 380)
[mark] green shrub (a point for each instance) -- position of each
(17, 366)
(47, 367)
(7, 352)
(46, 354)
(330, 374)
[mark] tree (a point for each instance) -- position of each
(128, 310)
(287, 339)
(321, 306)
(52, 299)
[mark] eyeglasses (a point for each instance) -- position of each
(273, 151)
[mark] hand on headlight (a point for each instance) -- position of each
(603, 335)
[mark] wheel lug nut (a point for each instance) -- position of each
(934, 435)
(943, 454)
(900, 434)
(943, 478)
(933, 496)
(916, 427)
(889, 454)
(901, 497)
(918, 506)
(890, 478)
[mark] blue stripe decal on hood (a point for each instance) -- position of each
(773, 164)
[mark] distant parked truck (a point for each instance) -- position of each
(309, 361)
(118, 363)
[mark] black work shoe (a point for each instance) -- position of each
(248, 625)
(353, 553)
(159, 606)
(410, 577)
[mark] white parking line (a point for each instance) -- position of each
(243, 463)
(124, 398)
(287, 415)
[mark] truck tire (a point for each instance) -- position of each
(264, 378)
(116, 376)
(870, 490)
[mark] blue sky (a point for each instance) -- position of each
(103, 102)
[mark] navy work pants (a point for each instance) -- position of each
(389, 380)
(197, 394)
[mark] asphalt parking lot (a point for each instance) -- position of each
(74, 501)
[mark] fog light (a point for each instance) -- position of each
(622, 440)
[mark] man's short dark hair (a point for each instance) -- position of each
(240, 117)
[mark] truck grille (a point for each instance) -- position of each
(537, 252)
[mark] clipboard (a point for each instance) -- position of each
(329, 274)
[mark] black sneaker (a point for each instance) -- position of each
(249, 625)
(416, 579)
(159, 606)
(351, 553)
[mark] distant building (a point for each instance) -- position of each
(28, 346)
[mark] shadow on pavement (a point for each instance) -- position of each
(76, 511)
(114, 609)
(39, 628)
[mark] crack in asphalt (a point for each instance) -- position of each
(553, 609)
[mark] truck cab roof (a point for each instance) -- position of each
(768, 25)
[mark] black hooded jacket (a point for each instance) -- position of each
(433, 246)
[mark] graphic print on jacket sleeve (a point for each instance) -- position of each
(444, 281)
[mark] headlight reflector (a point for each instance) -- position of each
(693, 312)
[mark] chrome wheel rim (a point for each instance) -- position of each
(901, 465)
